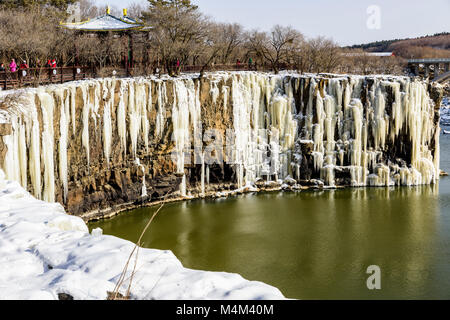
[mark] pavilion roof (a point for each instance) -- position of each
(106, 22)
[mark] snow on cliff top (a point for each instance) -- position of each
(44, 252)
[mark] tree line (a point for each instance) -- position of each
(180, 35)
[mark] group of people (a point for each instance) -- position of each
(251, 63)
(13, 67)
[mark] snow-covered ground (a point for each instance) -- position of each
(44, 252)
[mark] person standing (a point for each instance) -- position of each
(2, 68)
(23, 65)
(13, 66)
(178, 66)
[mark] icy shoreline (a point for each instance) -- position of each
(45, 252)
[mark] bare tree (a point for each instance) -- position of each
(88, 9)
(180, 35)
(228, 37)
(31, 34)
(318, 55)
(179, 32)
(275, 47)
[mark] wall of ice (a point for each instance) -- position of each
(340, 130)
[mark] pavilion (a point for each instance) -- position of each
(124, 25)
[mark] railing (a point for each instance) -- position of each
(433, 60)
(143, 71)
(41, 76)
(222, 67)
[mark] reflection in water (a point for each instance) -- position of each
(313, 244)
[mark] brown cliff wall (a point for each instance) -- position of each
(97, 187)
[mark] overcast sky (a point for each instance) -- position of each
(346, 21)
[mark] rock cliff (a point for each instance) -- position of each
(100, 146)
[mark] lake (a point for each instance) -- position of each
(313, 244)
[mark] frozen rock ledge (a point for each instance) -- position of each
(44, 252)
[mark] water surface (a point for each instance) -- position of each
(313, 244)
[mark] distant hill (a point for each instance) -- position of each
(434, 46)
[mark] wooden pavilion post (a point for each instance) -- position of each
(126, 54)
(77, 55)
(130, 50)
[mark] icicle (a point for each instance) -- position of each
(225, 97)
(73, 93)
(47, 108)
(86, 114)
(144, 186)
(214, 91)
(184, 108)
(145, 106)
(161, 111)
(202, 175)
(63, 141)
(121, 118)
(35, 156)
(107, 122)
(134, 118)
(22, 155)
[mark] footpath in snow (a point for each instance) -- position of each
(45, 252)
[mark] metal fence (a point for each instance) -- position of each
(33, 77)
(41, 76)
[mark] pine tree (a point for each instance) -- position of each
(13, 4)
(178, 4)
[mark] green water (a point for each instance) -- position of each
(313, 244)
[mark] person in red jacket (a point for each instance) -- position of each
(23, 65)
(53, 63)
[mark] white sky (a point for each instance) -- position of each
(343, 20)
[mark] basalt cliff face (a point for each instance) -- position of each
(100, 146)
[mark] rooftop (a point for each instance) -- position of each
(106, 22)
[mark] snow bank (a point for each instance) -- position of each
(44, 252)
